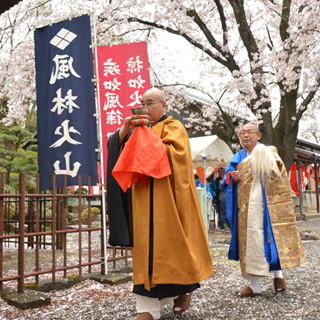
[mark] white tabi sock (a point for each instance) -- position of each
(278, 274)
(254, 285)
(156, 315)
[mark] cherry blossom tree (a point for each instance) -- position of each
(312, 131)
(256, 60)
(17, 60)
(261, 59)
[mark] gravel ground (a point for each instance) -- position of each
(214, 300)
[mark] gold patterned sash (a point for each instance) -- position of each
(282, 216)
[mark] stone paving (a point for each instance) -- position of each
(214, 300)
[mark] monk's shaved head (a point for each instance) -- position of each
(157, 93)
(251, 125)
(154, 99)
(249, 136)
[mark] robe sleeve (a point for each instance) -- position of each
(176, 140)
(231, 208)
(118, 202)
(232, 203)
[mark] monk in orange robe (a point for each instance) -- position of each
(170, 251)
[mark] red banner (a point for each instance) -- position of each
(123, 73)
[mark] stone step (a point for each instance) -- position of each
(312, 215)
(110, 278)
(27, 300)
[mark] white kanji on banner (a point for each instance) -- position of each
(124, 74)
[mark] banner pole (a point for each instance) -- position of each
(151, 66)
(98, 117)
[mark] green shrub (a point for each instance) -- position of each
(75, 209)
(84, 214)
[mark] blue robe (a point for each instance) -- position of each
(231, 191)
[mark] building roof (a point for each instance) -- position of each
(7, 4)
(308, 145)
(307, 151)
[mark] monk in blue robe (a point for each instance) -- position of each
(260, 212)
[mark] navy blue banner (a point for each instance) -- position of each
(67, 133)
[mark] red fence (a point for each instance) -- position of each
(26, 228)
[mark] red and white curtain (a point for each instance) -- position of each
(306, 173)
(93, 189)
(313, 175)
(293, 176)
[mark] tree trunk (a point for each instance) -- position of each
(286, 131)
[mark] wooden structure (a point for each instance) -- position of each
(33, 229)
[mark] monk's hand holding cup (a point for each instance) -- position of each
(139, 120)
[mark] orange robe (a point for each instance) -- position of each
(180, 250)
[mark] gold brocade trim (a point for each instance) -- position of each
(281, 212)
(244, 188)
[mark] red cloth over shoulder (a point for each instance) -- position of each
(143, 155)
(228, 178)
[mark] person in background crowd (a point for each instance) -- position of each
(220, 198)
(210, 195)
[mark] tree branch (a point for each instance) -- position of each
(223, 21)
(231, 63)
(244, 29)
(306, 101)
(271, 42)
(284, 24)
(184, 35)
